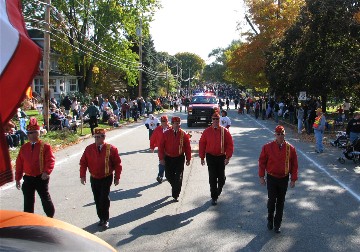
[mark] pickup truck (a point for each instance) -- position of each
(201, 109)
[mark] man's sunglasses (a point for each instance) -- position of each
(280, 134)
(217, 119)
(99, 136)
(32, 132)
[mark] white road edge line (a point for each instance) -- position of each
(321, 168)
(10, 185)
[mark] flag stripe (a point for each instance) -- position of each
(21, 68)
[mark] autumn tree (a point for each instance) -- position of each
(246, 63)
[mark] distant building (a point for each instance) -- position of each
(60, 84)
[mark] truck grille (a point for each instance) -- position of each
(203, 112)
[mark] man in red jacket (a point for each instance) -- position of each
(216, 144)
(155, 141)
(278, 159)
(102, 160)
(173, 145)
(34, 164)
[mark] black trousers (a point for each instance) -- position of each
(174, 169)
(216, 168)
(101, 191)
(277, 188)
(93, 123)
(32, 184)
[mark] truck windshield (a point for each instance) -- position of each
(203, 100)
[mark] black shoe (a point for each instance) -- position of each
(277, 230)
(213, 202)
(176, 199)
(159, 179)
(105, 225)
(270, 225)
(100, 223)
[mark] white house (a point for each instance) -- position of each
(60, 84)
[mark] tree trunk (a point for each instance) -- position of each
(323, 102)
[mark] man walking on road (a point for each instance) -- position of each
(34, 164)
(278, 159)
(102, 159)
(216, 144)
(174, 144)
(155, 140)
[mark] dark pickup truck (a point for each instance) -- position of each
(201, 108)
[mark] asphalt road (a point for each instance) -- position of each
(322, 213)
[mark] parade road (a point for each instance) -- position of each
(322, 213)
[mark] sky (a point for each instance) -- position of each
(196, 26)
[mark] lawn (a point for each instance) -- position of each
(59, 139)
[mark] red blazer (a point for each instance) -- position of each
(28, 161)
(170, 145)
(273, 160)
(210, 142)
(95, 161)
(156, 136)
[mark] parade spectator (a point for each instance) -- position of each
(67, 104)
(106, 104)
(257, 109)
(102, 160)
(101, 101)
(173, 148)
(56, 119)
(106, 114)
(346, 107)
(263, 109)
(155, 140)
(94, 113)
(54, 102)
(319, 128)
(115, 107)
(148, 107)
(236, 101)
(151, 123)
(353, 127)
(277, 160)
(34, 164)
(11, 137)
(276, 112)
(125, 107)
(216, 145)
(225, 120)
(70, 123)
(300, 117)
(75, 108)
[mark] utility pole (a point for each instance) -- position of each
(140, 57)
(177, 77)
(167, 80)
(189, 83)
(46, 60)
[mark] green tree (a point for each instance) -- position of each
(320, 53)
(192, 66)
(246, 62)
(93, 33)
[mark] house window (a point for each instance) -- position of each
(73, 85)
(52, 84)
(38, 83)
(53, 65)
